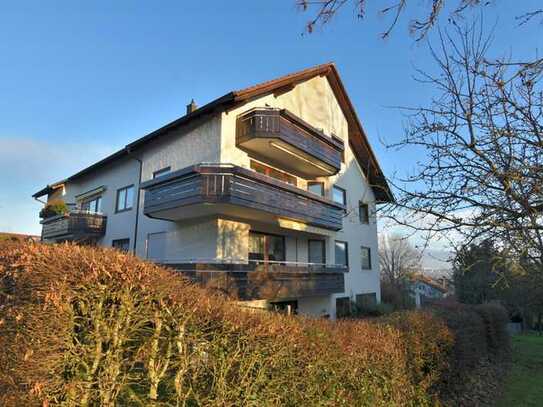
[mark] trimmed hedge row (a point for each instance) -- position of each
(88, 326)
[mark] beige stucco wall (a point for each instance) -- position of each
(315, 102)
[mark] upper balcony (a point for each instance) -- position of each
(76, 225)
(283, 139)
(226, 189)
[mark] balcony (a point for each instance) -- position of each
(281, 138)
(225, 189)
(74, 226)
(266, 281)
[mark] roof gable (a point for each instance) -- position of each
(357, 136)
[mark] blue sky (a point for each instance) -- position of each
(80, 79)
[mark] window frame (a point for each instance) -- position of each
(161, 172)
(346, 244)
(366, 212)
(266, 246)
(323, 242)
(116, 241)
(119, 191)
(311, 183)
(369, 258)
(343, 192)
(267, 171)
(97, 198)
(364, 304)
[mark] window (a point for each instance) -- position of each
(317, 253)
(125, 198)
(285, 307)
(342, 253)
(92, 204)
(316, 187)
(366, 301)
(363, 212)
(272, 172)
(265, 247)
(121, 244)
(343, 307)
(161, 172)
(339, 195)
(365, 258)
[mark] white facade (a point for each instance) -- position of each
(211, 139)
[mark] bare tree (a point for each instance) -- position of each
(398, 259)
(324, 10)
(483, 141)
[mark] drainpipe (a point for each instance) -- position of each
(135, 239)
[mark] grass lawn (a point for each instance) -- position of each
(524, 386)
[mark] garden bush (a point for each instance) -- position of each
(53, 208)
(93, 326)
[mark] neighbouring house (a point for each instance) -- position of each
(267, 193)
(423, 289)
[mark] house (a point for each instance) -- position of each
(423, 289)
(267, 193)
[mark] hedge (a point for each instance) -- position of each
(93, 326)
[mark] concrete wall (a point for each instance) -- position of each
(179, 149)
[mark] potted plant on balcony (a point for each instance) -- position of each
(53, 208)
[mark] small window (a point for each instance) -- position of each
(343, 307)
(365, 258)
(93, 205)
(342, 253)
(317, 253)
(125, 198)
(161, 172)
(121, 244)
(316, 187)
(339, 195)
(366, 301)
(364, 212)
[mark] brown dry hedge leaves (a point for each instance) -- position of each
(92, 326)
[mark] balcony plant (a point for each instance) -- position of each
(53, 208)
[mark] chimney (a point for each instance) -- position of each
(191, 107)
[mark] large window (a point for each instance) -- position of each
(339, 195)
(342, 253)
(365, 258)
(161, 172)
(364, 212)
(316, 187)
(343, 307)
(272, 172)
(125, 198)
(121, 244)
(265, 247)
(317, 252)
(92, 204)
(366, 301)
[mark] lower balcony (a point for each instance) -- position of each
(74, 226)
(255, 281)
(224, 189)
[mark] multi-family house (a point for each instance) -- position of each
(424, 289)
(266, 193)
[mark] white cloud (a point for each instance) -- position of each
(27, 165)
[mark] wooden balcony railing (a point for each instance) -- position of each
(266, 281)
(74, 225)
(280, 137)
(176, 196)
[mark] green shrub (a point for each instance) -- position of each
(92, 326)
(53, 208)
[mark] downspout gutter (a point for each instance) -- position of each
(138, 195)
